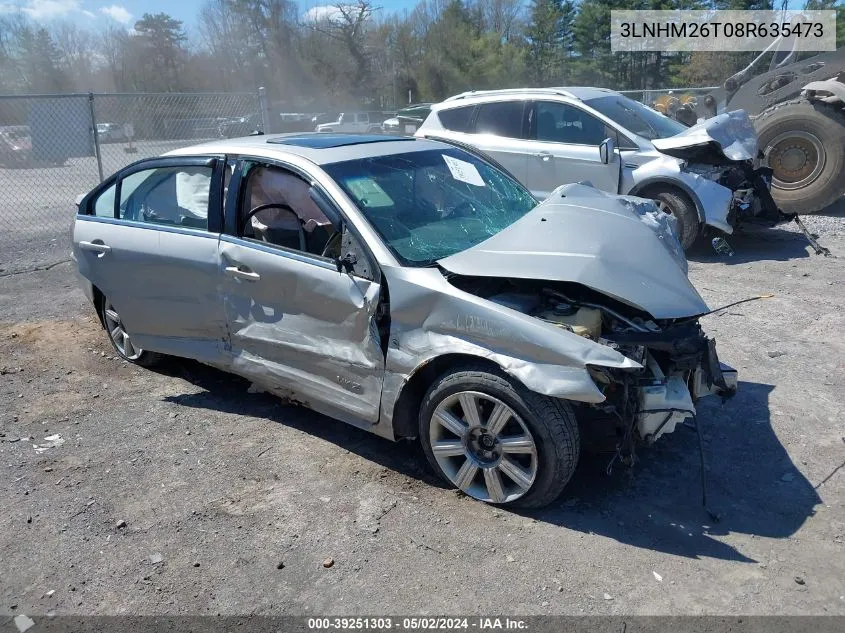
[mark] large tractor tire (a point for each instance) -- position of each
(804, 143)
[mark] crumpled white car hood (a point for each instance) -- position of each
(731, 132)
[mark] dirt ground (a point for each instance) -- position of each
(178, 492)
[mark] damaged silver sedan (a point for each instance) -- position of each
(410, 288)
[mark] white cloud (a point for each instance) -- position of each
(117, 12)
(47, 9)
(321, 13)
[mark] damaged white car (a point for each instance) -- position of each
(410, 288)
(704, 175)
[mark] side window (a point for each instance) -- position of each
(624, 141)
(167, 195)
(456, 119)
(502, 119)
(104, 204)
(293, 221)
(564, 123)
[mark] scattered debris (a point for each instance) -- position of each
(120, 524)
(281, 565)
(24, 623)
(49, 593)
(196, 564)
(328, 562)
(325, 499)
(51, 441)
(607, 596)
(657, 576)
(775, 353)
(155, 559)
(799, 580)
(510, 558)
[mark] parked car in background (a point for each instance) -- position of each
(323, 117)
(110, 133)
(703, 175)
(407, 120)
(15, 146)
(506, 326)
(355, 122)
(242, 126)
(294, 122)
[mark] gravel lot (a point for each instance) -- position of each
(177, 492)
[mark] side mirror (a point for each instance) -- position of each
(285, 228)
(607, 151)
(346, 263)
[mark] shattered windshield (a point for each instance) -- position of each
(636, 117)
(431, 204)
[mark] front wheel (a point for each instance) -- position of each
(120, 339)
(678, 204)
(496, 440)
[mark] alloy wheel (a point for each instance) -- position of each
(483, 447)
(118, 334)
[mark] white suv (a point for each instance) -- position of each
(553, 136)
(354, 122)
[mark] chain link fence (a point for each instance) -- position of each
(53, 148)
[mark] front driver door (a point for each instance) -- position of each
(297, 326)
(566, 142)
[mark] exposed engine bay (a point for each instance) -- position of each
(678, 361)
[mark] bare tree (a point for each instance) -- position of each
(348, 25)
(76, 54)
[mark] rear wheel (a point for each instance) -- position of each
(120, 339)
(496, 440)
(678, 204)
(804, 144)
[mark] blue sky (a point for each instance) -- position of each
(100, 12)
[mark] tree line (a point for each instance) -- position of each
(355, 53)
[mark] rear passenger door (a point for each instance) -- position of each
(500, 130)
(148, 240)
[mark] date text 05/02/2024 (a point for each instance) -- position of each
(422, 623)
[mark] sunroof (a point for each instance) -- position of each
(326, 140)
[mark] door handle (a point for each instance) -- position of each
(96, 247)
(544, 156)
(239, 273)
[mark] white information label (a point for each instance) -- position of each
(463, 171)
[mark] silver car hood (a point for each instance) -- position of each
(620, 246)
(729, 133)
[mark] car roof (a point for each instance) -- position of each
(581, 93)
(319, 148)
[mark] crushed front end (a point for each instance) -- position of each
(678, 362)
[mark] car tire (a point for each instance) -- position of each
(120, 340)
(524, 461)
(679, 205)
(815, 130)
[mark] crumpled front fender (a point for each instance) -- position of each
(431, 318)
(712, 200)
